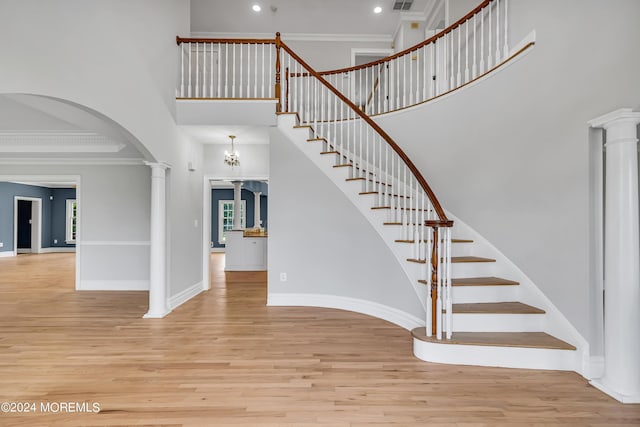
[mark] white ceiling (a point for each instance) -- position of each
(36, 126)
(299, 16)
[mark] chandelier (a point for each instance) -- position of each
(232, 158)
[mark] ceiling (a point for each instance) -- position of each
(299, 16)
(46, 128)
(220, 134)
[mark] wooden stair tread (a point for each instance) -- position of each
(452, 241)
(329, 152)
(499, 339)
(316, 140)
(478, 281)
(391, 195)
(482, 281)
(361, 178)
(471, 259)
(457, 259)
(512, 307)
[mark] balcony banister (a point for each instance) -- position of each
(414, 170)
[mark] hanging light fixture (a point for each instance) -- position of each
(232, 158)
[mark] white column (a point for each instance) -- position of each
(256, 210)
(237, 200)
(621, 378)
(158, 249)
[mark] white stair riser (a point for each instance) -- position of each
(509, 357)
(472, 269)
(470, 294)
(476, 322)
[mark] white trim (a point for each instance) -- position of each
(413, 16)
(70, 161)
(184, 296)
(370, 308)
(594, 368)
(58, 249)
(113, 243)
(36, 229)
(304, 37)
(618, 396)
(113, 285)
(218, 250)
(7, 254)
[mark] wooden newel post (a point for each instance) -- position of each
(434, 281)
(278, 94)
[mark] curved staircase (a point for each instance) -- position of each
(491, 326)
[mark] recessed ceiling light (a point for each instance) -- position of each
(377, 9)
(256, 8)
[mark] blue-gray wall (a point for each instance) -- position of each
(218, 194)
(53, 212)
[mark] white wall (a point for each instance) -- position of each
(322, 242)
(119, 58)
(510, 156)
(254, 161)
(330, 55)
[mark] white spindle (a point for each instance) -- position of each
(490, 45)
(459, 75)
(505, 53)
(466, 48)
(482, 41)
(182, 70)
(447, 283)
(474, 69)
(438, 243)
(497, 31)
(452, 83)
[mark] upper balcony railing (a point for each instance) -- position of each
(464, 51)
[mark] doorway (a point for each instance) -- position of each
(27, 225)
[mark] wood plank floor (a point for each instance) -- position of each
(225, 358)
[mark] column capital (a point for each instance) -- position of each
(623, 115)
(158, 165)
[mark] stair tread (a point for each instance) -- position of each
(452, 241)
(478, 281)
(512, 307)
(482, 281)
(457, 259)
(499, 339)
(471, 259)
(329, 152)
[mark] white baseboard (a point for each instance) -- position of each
(7, 254)
(623, 398)
(24, 251)
(59, 249)
(594, 368)
(113, 285)
(184, 296)
(218, 250)
(390, 314)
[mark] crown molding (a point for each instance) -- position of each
(70, 161)
(306, 37)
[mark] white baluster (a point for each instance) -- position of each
(505, 53)
(474, 69)
(211, 74)
(182, 70)
(497, 31)
(438, 243)
(489, 46)
(189, 89)
(466, 44)
(429, 246)
(459, 75)
(447, 283)
(482, 40)
(197, 88)
(452, 83)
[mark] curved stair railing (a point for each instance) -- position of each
(468, 49)
(387, 172)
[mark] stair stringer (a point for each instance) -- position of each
(312, 150)
(554, 322)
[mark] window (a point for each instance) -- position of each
(225, 218)
(72, 212)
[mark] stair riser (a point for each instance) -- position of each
(472, 269)
(510, 357)
(471, 294)
(473, 322)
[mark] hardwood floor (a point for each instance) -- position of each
(225, 358)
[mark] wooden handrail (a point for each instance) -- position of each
(430, 40)
(444, 221)
(180, 40)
